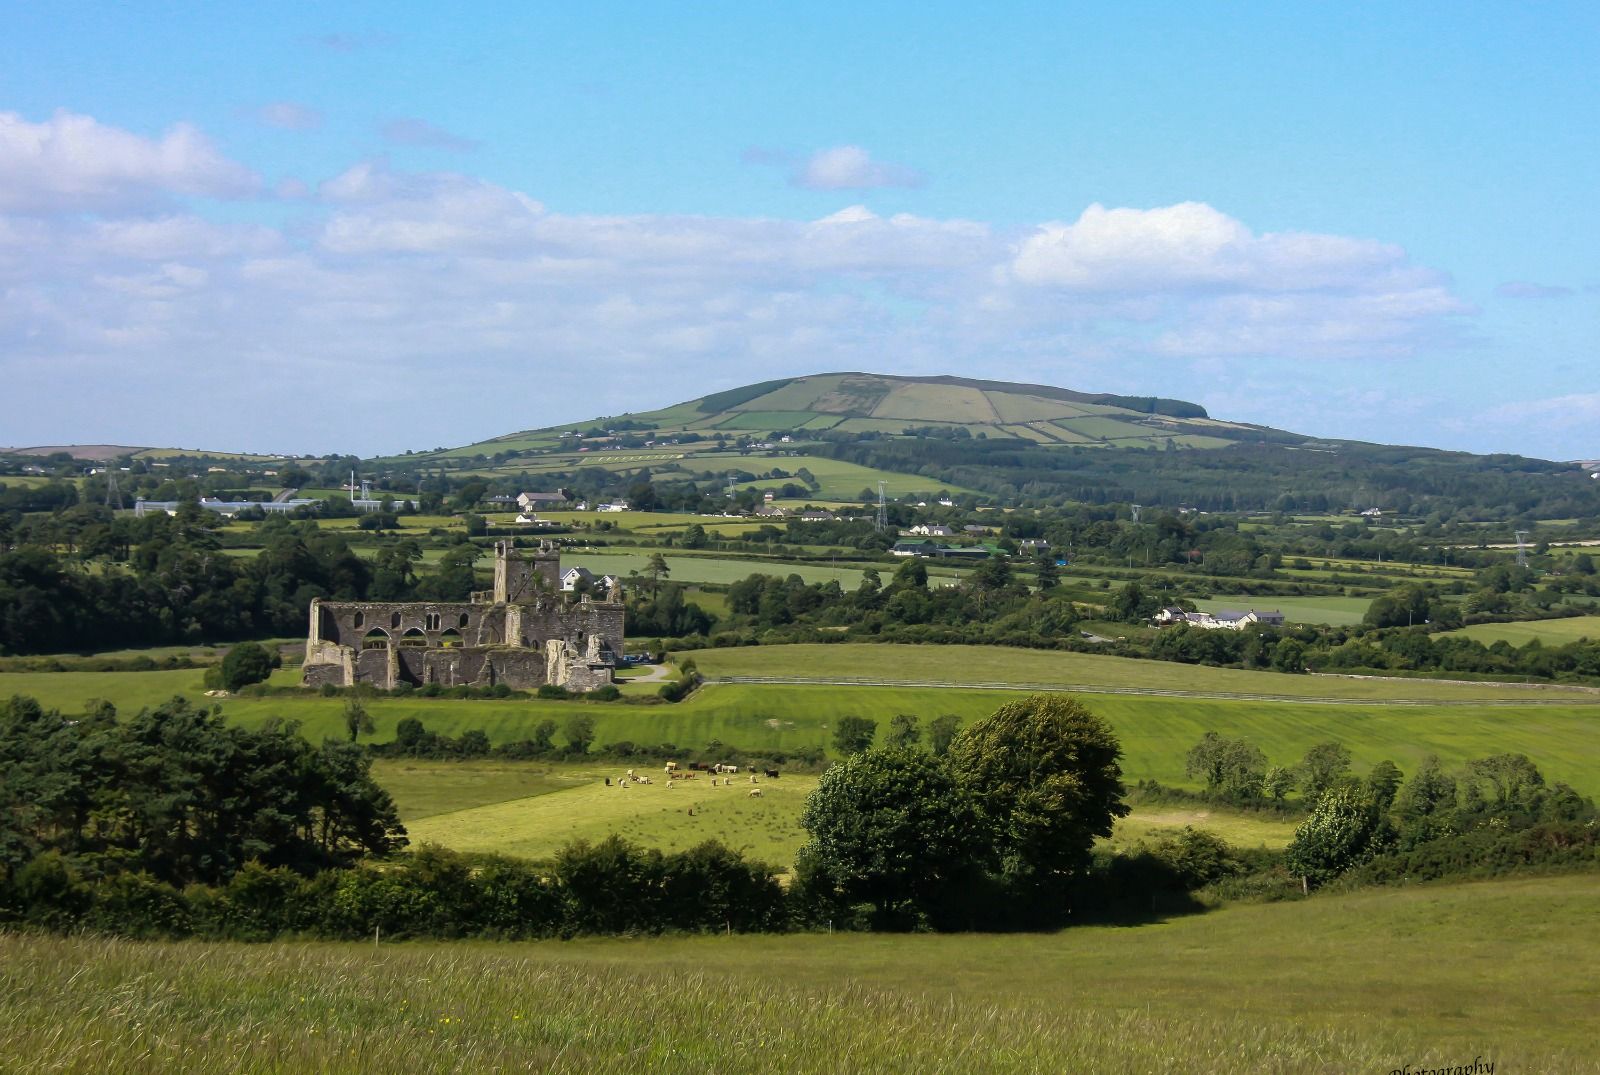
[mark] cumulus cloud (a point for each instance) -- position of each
(443, 280)
(289, 116)
(408, 131)
(1225, 289)
(852, 168)
(72, 162)
(1521, 289)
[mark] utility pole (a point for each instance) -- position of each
(883, 508)
(1522, 549)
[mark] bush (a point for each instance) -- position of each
(247, 663)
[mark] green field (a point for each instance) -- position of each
(1335, 611)
(1369, 982)
(689, 568)
(532, 809)
(1547, 632)
(1155, 731)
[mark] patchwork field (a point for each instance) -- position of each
(1372, 982)
(1335, 611)
(1556, 728)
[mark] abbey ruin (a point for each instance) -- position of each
(524, 633)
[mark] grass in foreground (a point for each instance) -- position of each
(1368, 982)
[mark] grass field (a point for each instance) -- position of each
(532, 809)
(1335, 611)
(1548, 632)
(1370, 982)
(1155, 731)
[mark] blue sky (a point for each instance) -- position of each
(380, 227)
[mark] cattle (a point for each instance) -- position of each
(642, 780)
(755, 793)
(724, 767)
(699, 766)
(672, 766)
(772, 774)
(631, 776)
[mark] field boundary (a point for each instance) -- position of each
(1090, 688)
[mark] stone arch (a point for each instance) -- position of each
(414, 637)
(360, 620)
(377, 638)
(465, 618)
(451, 639)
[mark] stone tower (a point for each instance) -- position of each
(517, 578)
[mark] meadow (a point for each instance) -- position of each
(1334, 611)
(533, 809)
(1284, 715)
(1367, 982)
(1546, 632)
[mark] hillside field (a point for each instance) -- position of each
(1374, 981)
(1546, 632)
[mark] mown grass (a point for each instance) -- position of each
(533, 809)
(1155, 732)
(1547, 632)
(1368, 982)
(1335, 611)
(984, 664)
(669, 816)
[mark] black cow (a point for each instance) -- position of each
(772, 774)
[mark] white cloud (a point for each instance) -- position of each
(852, 168)
(485, 303)
(71, 162)
(289, 116)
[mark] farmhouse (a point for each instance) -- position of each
(524, 633)
(1225, 621)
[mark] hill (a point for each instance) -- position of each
(869, 403)
(1015, 442)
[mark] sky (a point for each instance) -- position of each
(367, 228)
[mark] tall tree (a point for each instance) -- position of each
(1046, 773)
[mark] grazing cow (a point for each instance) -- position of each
(642, 780)
(631, 776)
(672, 766)
(755, 793)
(725, 767)
(772, 774)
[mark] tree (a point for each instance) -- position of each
(1323, 767)
(1383, 784)
(1232, 768)
(357, 719)
(1426, 805)
(942, 732)
(656, 569)
(903, 732)
(246, 663)
(1045, 570)
(1345, 829)
(1045, 774)
(694, 537)
(892, 828)
(852, 735)
(579, 730)
(1277, 783)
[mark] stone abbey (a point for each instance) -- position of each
(524, 633)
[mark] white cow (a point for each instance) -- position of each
(755, 793)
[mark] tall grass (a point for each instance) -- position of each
(1366, 982)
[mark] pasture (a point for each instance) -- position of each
(1334, 611)
(1372, 981)
(1284, 715)
(1546, 632)
(531, 809)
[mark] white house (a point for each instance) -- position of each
(615, 505)
(932, 530)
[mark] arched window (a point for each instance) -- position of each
(394, 621)
(463, 623)
(432, 621)
(450, 639)
(413, 638)
(377, 638)
(361, 619)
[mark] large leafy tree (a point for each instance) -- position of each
(1046, 775)
(894, 829)
(1345, 829)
